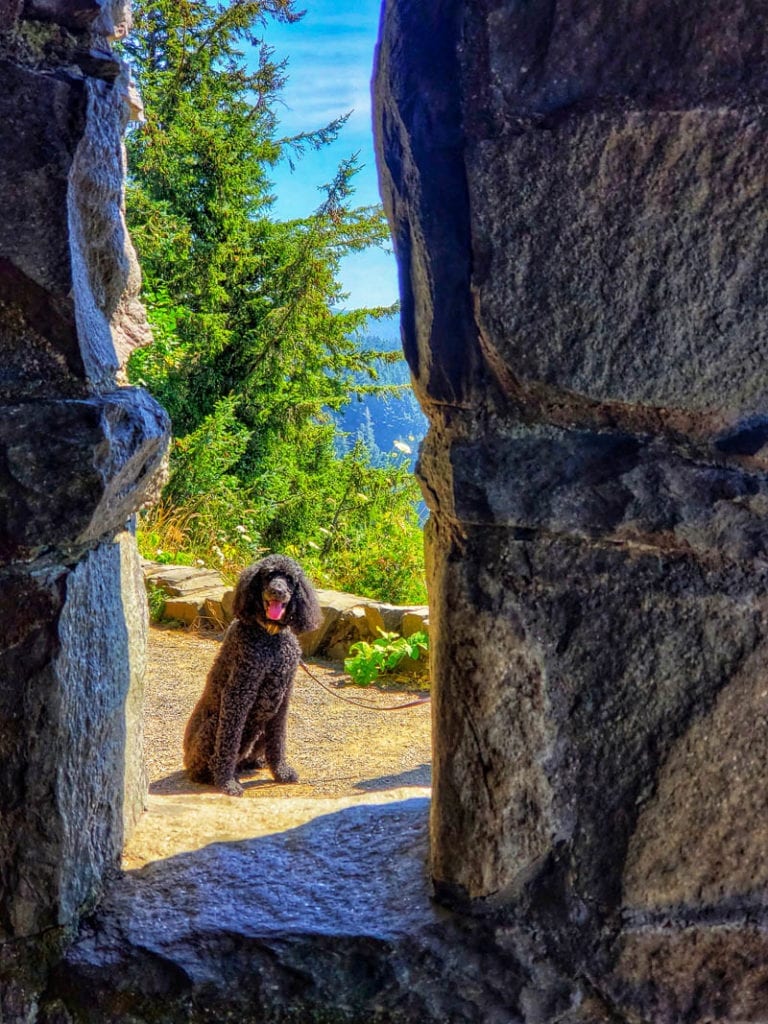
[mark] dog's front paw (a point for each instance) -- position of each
(284, 773)
(232, 788)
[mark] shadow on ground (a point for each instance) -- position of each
(177, 782)
(332, 919)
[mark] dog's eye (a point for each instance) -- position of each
(281, 578)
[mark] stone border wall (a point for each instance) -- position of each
(200, 597)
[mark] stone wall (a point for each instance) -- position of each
(577, 198)
(79, 454)
(199, 597)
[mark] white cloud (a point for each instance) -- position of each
(330, 61)
(311, 101)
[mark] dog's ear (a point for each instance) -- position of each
(303, 611)
(242, 604)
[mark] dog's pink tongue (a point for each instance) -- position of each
(275, 610)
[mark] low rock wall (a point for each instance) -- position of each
(200, 597)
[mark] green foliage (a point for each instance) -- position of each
(156, 601)
(253, 349)
(369, 661)
(373, 535)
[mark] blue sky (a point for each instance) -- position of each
(330, 60)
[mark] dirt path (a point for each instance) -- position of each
(337, 749)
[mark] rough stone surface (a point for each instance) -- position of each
(193, 596)
(633, 233)
(303, 926)
(136, 612)
(577, 201)
(78, 457)
(593, 706)
(102, 259)
(73, 471)
(38, 336)
(78, 15)
(67, 675)
(576, 194)
(614, 485)
(69, 314)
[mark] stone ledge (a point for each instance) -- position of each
(330, 920)
(199, 596)
(320, 910)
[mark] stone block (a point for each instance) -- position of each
(383, 617)
(335, 609)
(374, 619)
(102, 262)
(541, 62)
(577, 204)
(352, 625)
(183, 580)
(51, 113)
(632, 488)
(68, 275)
(74, 471)
(668, 974)
(193, 593)
(77, 15)
(38, 334)
(662, 869)
(387, 953)
(617, 268)
(77, 459)
(70, 774)
(198, 608)
(571, 680)
(213, 614)
(136, 612)
(415, 620)
(180, 609)
(228, 605)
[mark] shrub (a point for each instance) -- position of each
(369, 661)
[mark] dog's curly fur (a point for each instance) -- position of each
(240, 720)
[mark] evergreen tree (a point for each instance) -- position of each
(253, 346)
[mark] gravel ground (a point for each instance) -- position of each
(338, 749)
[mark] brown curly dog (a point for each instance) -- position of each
(240, 720)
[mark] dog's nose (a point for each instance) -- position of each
(278, 590)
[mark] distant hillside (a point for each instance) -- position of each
(386, 329)
(388, 424)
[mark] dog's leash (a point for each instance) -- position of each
(363, 704)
